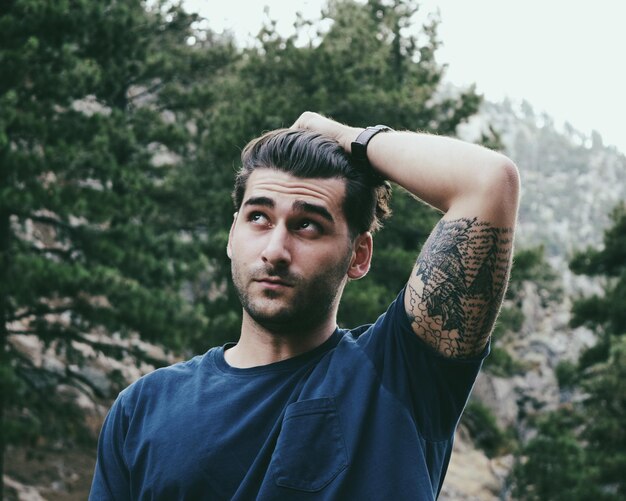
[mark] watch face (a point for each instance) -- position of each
(358, 150)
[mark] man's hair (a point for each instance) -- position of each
(303, 154)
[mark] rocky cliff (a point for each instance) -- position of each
(570, 183)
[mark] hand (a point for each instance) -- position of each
(315, 122)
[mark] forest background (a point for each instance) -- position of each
(121, 126)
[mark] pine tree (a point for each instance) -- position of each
(580, 452)
(96, 239)
(120, 129)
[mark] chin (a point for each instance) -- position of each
(281, 321)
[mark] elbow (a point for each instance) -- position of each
(503, 181)
(511, 180)
(509, 176)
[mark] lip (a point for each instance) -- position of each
(273, 283)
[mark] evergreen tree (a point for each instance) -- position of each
(580, 452)
(120, 129)
(96, 239)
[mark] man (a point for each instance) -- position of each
(298, 408)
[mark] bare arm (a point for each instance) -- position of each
(457, 284)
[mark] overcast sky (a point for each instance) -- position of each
(565, 57)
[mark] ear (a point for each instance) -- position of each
(229, 249)
(361, 256)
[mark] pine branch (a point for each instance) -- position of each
(48, 220)
(27, 369)
(75, 376)
(40, 310)
(118, 351)
(145, 92)
(64, 253)
(26, 365)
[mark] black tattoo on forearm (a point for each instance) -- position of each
(462, 271)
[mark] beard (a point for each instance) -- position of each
(300, 308)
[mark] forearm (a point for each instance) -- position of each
(446, 173)
(459, 178)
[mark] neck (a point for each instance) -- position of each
(260, 345)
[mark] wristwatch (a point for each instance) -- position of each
(358, 149)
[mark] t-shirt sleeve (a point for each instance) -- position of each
(434, 388)
(111, 478)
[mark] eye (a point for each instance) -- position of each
(257, 218)
(308, 226)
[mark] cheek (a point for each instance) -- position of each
(328, 259)
(244, 253)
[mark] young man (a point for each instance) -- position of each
(298, 408)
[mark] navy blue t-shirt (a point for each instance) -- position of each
(369, 414)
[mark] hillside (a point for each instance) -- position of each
(570, 184)
(570, 181)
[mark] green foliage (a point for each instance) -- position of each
(96, 235)
(554, 465)
(484, 430)
(580, 451)
(566, 374)
(610, 260)
(501, 363)
(595, 354)
(605, 409)
(606, 313)
(529, 265)
(510, 319)
(120, 129)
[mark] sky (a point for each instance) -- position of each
(565, 57)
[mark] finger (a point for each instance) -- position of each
(311, 121)
(300, 123)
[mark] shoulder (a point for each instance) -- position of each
(166, 381)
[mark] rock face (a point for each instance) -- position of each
(570, 183)
(544, 340)
(64, 471)
(472, 476)
(22, 492)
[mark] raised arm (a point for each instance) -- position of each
(456, 287)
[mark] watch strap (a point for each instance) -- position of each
(358, 149)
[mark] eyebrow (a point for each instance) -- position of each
(315, 209)
(264, 201)
(298, 205)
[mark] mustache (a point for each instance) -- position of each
(275, 272)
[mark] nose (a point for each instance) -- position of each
(276, 251)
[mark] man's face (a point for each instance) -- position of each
(290, 249)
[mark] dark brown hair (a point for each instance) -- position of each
(305, 154)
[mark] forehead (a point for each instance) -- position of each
(284, 189)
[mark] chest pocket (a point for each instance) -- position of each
(310, 451)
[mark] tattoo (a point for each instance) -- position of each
(462, 274)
